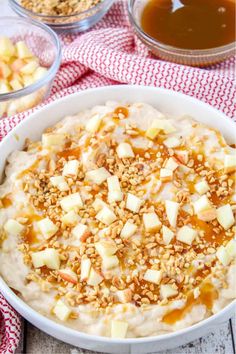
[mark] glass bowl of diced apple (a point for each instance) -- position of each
(30, 56)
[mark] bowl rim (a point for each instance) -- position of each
(51, 71)
(40, 320)
(44, 17)
(176, 50)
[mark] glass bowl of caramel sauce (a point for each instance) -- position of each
(189, 32)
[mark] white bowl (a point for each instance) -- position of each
(33, 126)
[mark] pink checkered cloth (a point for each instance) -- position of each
(107, 55)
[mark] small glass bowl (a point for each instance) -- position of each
(192, 57)
(73, 23)
(45, 45)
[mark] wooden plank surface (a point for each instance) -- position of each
(221, 341)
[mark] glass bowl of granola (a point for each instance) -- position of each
(66, 15)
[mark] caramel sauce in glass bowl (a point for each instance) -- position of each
(190, 24)
(190, 32)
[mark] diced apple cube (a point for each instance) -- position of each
(85, 268)
(124, 296)
(118, 329)
(203, 203)
(106, 216)
(171, 164)
(172, 142)
(153, 276)
(230, 163)
(27, 80)
(151, 222)
(186, 235)
(4, 87)
(166, 175)
(62, 311)
(113, 183)
(167, 235)
(47, 228)
(29, 68)
(167, 291)
(98, 176)
(223, 255)
(163, 124)
(71, 168)
(202, 187)
(7, 48)
(23, 51)
(5, 71)
(172, 209)
(80, 231)
(94, 123)
(16, 65)
(48, 257)
(128, 230)
(115, 196)
(71, 202)
(133, 203)
(225, 216)
(110, 262)
(52, 139)
(60, 183)
(68, 275)
(207, 215)
(70, 219)
(124, 151)
(94, 278)
(182, 156)
(38, 259)
(98, 204)
(231, 248)
(16, 85)
(13, 227)
(152, 133)
(106, 248)
(39, 73)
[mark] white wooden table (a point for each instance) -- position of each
(34, 341)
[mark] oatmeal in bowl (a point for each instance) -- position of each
(120, 221)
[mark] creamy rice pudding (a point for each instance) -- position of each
(120, 222)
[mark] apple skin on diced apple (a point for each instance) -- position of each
(71, 168)
(68, 275)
